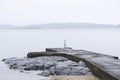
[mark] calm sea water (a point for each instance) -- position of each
(17, 43)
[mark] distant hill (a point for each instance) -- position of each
(60, 26)
(6, 27)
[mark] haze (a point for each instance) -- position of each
(27, 12)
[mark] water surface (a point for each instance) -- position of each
(17, 43)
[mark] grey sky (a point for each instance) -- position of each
(24, 12)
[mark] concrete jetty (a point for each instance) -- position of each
(105, 67)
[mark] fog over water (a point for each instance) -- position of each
(17, 43)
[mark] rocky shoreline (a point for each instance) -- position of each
(48, 65)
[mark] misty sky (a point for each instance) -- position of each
(25, 12)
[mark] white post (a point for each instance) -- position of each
(65, 45)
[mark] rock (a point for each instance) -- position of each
(82, 64)
(3, 59)
(45, 73)
(85, 70)
(48, 65)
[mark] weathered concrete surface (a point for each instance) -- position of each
(38, 54)
(103, 66)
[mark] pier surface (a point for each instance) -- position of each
(103, 66)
